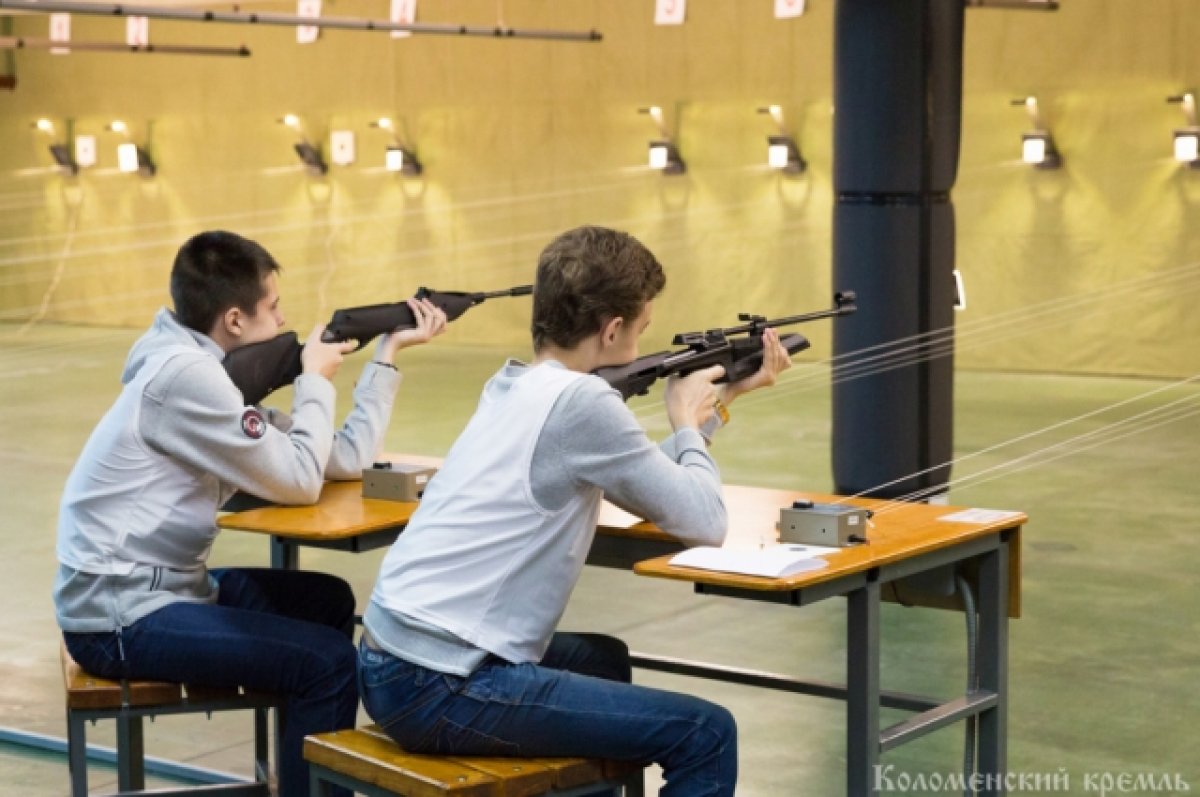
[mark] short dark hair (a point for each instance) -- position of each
(585, 277)
(214, 271)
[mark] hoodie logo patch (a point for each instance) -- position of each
(253, 424)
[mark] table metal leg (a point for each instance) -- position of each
(131, 753)
(317, 785)
(993, 665)
(262, 760)
(77, 754)
(285, 555)
(862, 682)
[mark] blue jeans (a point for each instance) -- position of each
(568, 705)
(280, 631)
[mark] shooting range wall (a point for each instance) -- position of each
(521, 139)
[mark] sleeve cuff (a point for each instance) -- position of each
(381, 376)
(710, 427)
(687, 440)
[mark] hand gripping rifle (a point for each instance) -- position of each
(741, 356)
(262, 368)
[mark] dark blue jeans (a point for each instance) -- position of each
(280, 631)
(577, 702)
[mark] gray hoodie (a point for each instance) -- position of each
(137, 519)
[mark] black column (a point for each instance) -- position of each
(897, 112)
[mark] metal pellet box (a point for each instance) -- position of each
(834, 525)
(396, 481)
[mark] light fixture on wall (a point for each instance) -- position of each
(398, 158)
(1187, 139)
(1038, 149)
(1037, 146)
(131, 158)
(308, 153)
(59, 150)
(663, 155)
(782, 152)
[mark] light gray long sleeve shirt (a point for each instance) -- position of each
(138, 513)
(490, 558)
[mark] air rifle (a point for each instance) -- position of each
(262, 368)
(741, 356)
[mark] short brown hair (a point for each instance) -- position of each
(585, 277)
(215, 271)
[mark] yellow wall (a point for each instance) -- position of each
(1078, 270)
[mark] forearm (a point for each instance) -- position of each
(596, 440)
(685, 500)
(360, 439)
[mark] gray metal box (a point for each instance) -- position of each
(833, 525)
(396, 481)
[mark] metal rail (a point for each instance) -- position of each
(292, 20)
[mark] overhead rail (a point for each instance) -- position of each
(27, 43)
(292, 20)
(1018, 5)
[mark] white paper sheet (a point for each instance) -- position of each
(979, 515)
(775, 561)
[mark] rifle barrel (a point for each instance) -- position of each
(792, 319)
(520, 290)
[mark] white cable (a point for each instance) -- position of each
(1187, 405)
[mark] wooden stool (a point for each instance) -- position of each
(368, 761)
(92, 698)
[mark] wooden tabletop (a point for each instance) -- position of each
(897, 531)
(340, 513)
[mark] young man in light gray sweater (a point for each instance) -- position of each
(133, 595)
(460, 654)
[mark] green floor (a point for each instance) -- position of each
(1102, 666)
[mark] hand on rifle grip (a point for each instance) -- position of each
(775, 360)
(323, 358)
(690, 398)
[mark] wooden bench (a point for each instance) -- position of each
(369, 762)
(90, 697)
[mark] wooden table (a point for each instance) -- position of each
(341, 519)
(911, 555)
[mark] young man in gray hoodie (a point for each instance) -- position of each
(133, 596)
(460, 653)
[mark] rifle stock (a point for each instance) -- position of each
(740, 356)
(262, 368)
